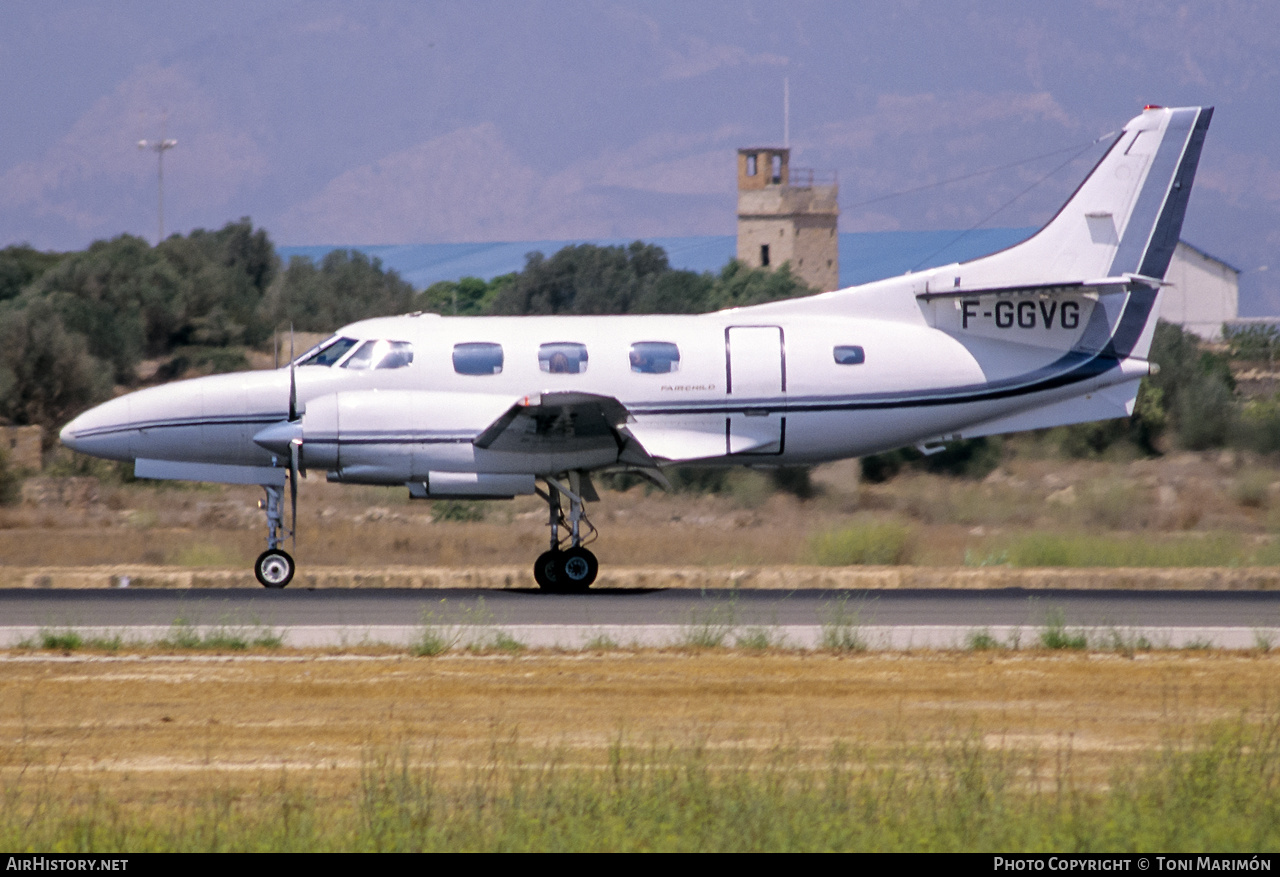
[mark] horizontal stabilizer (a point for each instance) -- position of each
(1074, 287)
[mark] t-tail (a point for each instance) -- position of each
(1117, 233)
(1061, 324)
(1085, 289)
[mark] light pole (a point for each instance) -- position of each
(159, 146)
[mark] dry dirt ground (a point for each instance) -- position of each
(85, 521)
(133, 726)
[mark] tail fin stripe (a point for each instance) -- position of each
(1149, 214)
(1169, 226)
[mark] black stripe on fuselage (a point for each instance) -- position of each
(243, 420)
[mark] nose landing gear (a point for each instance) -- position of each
(274, 567)
(568, 570)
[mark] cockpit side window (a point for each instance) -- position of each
(477, 358)
(563, 358)
(381, 354)
(655, 357)
(849, 354)
(328, 352)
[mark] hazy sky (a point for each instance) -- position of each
(410, 122)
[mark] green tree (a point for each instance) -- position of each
(468, 297)
(585, 279)
(130, 300)
(21, 265)
(345, 287)
(46, 372)
(1196, 388)
(738, 286)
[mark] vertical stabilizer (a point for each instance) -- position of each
(1124, 219)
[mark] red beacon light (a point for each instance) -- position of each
(1152, 107)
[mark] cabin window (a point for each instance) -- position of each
(751, 165)
(849, 354)
(563, 358)
(654, 357)
(776, 163)
(381, 354)
(477, 358)
(328, 352)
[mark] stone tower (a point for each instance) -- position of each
(788, 214)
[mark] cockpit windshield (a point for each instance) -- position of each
(327, 352)
(381, 354)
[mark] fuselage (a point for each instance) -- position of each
(764, 386)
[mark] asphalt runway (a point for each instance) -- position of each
(889, 618)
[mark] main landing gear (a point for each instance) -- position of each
(274, 567)
(566, 569)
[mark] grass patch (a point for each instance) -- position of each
(1138, 550)
(462, 511)
(60, 640)
(759, 639)
(982, 641)
(1218, 792)
(1055, 634)
(224, 637)
(842, 627)
(434, 636)
(710, 626)
(871, 542)
(1126, 642)
(474, 628)
(601, 642)
(202, 554)
(496, 641)
(70, 640)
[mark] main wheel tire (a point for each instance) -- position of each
(274, 568)
(546, 570)
(578, 569)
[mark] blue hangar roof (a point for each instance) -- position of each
(864, 256)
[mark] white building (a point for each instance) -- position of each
(1204, 292)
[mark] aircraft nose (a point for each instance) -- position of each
(103, 431)
(68, 435)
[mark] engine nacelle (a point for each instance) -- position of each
(418, 437)
(393, 436)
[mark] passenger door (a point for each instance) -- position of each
(755, 377)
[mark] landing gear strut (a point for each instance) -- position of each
(274, 567)
(566, 569)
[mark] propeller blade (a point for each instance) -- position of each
(293, 381)
(295, 447)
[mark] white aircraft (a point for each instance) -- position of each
(1054, 330)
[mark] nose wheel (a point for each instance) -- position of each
(571, 569)
(274, 568)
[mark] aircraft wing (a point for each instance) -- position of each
(557, 423)
(567, 423)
